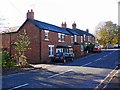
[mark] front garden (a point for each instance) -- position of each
(19, 59)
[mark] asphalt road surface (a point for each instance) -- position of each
(89, 72)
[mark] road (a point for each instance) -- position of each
(91, 71)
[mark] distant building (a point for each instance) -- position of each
(47, 39)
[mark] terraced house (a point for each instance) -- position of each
(47, 39)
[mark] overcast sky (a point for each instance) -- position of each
(86, 13)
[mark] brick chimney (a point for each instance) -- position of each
(87, 30)
(64, 25)
(74, 25)
(30, 14)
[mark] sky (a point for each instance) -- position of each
(86, 13)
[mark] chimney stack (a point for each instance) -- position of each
(64, 25)
(74, 25)
(87, 30)
(30, 14)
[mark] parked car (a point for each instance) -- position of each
(96, 50)
(63, 57)
(116, 46)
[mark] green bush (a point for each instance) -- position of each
(7, 60)
(89, 48)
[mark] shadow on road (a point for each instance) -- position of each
(104, 59)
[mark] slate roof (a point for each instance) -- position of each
(72, 31)
(50, 27)
(82, 32)
(54, 28)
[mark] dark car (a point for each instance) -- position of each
(63, 57)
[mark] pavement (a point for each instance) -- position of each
(33, 67)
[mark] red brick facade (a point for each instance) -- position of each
(39, 52)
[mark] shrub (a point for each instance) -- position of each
(89, 48)
(7, 60)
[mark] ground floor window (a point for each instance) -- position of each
(51, 50)
(59, 50)
(71, 50)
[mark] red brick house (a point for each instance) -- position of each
(47, 39)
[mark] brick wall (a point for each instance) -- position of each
(53, 40)
(33, 33)
(39, 52)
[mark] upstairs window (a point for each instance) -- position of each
(46, 35)
(84, 37)
(75, 38)
(72, 39)
(61, 37)
(89, 38)
(81, 39)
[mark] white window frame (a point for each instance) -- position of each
(51, 50)
(89, 38)
(62, 37)
(59, 37)
(47, 35)
(81, 38)
(72, 39)
(75, 38)
(58, 50)
(84, 37)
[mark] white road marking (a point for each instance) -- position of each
(98, 59)
(19, 86)
(46, 84)
(109, 54)
(110, 80)
(59, 73)
(106, 78)
(86, 64)
(105, 55)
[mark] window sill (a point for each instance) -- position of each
(51, 55)
(59, 41)
(46, 39)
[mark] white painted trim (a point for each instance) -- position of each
(51, 46)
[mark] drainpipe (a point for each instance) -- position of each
(10, 44)
(40, 45)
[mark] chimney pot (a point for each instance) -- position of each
(74, 25)
(30, 14)
(64, 25)
(87, 30)
(31, 10)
